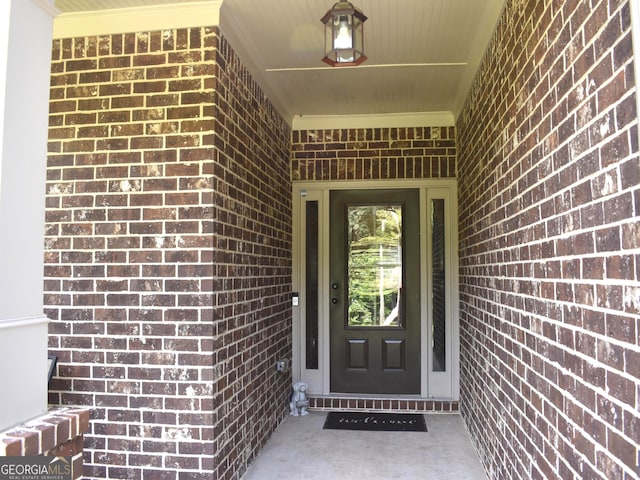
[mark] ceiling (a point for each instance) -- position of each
(422, 54)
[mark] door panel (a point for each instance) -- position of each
(393, 354)
(357, 354)
(375, 291)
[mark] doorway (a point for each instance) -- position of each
(375, 288)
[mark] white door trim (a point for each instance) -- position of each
(434, 385)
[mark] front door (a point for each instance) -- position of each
(375, 291)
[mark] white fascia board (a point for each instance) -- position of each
(137, 19)
(419, 119)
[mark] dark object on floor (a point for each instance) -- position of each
(381, 422)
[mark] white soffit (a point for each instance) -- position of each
(423, 56)
(136, 19)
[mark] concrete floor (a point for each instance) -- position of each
(301, 449)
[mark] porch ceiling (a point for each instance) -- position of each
(422, 54)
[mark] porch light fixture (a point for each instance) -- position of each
(344, 35)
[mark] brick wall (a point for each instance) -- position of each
(550, 245)
(252, 266)
(156, 328)
(373, 153)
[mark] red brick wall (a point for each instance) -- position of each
(549, 245)
(156, 327)
(373, 153)
(252, 266)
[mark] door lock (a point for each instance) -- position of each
(334, 300)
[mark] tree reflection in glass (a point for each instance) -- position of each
(375, 265)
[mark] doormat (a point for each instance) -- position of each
(375, 422)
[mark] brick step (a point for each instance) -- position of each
(382, 404)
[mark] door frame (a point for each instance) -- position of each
(434, 385)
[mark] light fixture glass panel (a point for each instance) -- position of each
(342, 32)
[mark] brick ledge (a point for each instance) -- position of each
(383, 405)
(59, 432)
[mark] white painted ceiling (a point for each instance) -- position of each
(422, 54)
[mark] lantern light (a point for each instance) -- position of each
(344, 35)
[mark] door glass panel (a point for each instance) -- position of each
(375, 270)
(438, 278)
(311, 282)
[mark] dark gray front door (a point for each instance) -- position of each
(375, 291)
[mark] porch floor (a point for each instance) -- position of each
(301, 449)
